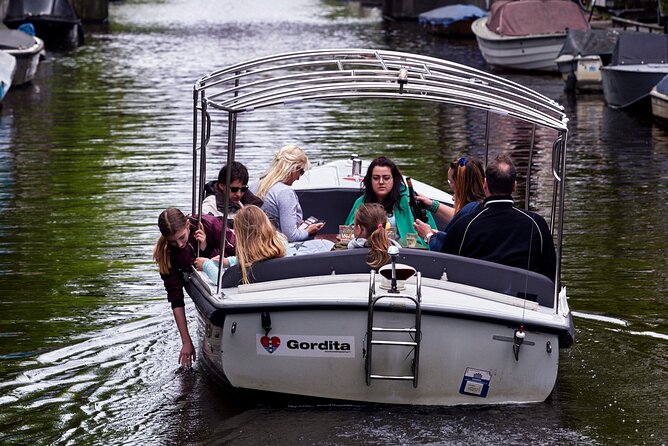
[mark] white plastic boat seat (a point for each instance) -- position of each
(478, 273)
(332, 205)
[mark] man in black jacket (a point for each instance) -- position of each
(501, 232)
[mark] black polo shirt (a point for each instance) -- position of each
(503, 233)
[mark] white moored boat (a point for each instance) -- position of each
(453, 330)
(527, 34)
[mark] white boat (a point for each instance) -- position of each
(659, 98)
(451, 330)
(639, 62)
(7, 70)
(527, 34)
(582, 56)
(26, 49)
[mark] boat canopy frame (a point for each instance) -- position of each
(348, 74)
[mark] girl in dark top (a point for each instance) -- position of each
(176, 251)
(466, 178)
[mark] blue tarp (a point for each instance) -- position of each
(449, 14)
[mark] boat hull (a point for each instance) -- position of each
(628, 85)
(27, 61)
(659, 104)
(316, 344)
(534, 53)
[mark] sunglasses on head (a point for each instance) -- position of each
(461, 162)
(236, 189)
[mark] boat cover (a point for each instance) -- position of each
(535, 17)
(35, 10)
(593, 42)
(446, 15)
(11, 39)
(634, 48)
(662, 86)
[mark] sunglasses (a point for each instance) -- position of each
(461, 162)
(235, 189)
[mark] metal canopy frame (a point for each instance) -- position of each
(350, 74)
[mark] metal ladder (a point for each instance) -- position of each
(413, 332)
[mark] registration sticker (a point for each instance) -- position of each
(475, 382)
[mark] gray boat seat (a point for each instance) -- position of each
(330, 205)
(479, 273)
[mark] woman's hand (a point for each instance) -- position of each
(187, 355)
(314, 228)
(422, 228)
(426, 201)
(200, 236)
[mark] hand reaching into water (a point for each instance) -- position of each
(187, 355)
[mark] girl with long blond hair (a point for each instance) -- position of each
(369, 230)
(175, 253)
(257, 239)
(280, 200)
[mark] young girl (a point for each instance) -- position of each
(369, 230)
(256, 238)
(175, 253)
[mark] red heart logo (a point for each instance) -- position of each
(270, 344)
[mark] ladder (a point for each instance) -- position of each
(412, 334)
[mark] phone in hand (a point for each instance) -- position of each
(309, 221)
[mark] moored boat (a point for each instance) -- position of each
(639, 62)
(55, 21)
(582, 56)
(527, 34)
(659, 98)
(452, 330)
(451, 20)
(26, 49)
(7, 69)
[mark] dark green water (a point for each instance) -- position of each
(100, 144)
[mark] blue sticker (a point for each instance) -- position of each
(475, 382)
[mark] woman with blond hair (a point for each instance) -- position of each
(175, 253)
(256, 238)
(369, 230)
(280, 200)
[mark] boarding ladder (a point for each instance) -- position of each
(411, 335)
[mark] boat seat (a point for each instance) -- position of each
(330, 205)
(478, 273)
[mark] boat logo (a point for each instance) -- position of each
(270, 343)
(301, 345)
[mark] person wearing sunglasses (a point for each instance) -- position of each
(239, 193)
(465, 177)
(384, 184)
(280, 201)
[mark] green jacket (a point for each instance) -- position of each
(402, 215)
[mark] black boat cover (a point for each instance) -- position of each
(634, 48)
(11, 39)
(593, 42)
(35, 10)
(662, 87)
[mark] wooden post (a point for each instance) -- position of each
(92, 10)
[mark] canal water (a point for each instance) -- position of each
(99, 144)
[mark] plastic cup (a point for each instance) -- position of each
(391, 233)
(346, 232)
(411, 239)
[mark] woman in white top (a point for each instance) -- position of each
(280, 200)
